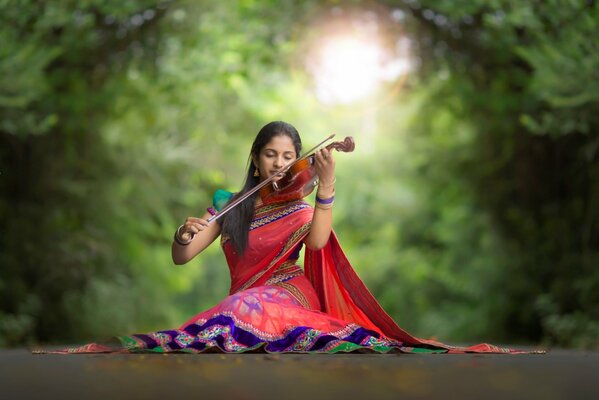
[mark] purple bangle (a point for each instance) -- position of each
(325, 201)
(211, 210)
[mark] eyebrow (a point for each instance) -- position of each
(285, 152)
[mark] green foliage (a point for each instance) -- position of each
(511, 71)
(118, 121)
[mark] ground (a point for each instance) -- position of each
(560, 374)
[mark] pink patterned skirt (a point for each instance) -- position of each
(277, 318)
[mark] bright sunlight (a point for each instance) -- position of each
(347, 68)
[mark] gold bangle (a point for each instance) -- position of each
(330, 184)
(179, 239)
(324, 206)
(332, 194)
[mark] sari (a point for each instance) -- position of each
(275, 306)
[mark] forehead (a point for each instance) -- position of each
(281, 144)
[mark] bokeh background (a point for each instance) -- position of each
(470, 206)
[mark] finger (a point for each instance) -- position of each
(317, 156)
(330, 158)
(200, 226)
(203, 222)
(319, 164)
(322, 162)
(326, 157)
(322, 156)
(187, 236)
(195, 220)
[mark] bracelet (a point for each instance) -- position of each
(211, 210)
(330, 184)
(178, 239)
(324, 206)
(330, 200)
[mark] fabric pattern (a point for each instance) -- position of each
(265, 318)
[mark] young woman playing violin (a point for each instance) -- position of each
(274, 304)
(277, 145)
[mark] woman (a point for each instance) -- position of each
(274, 305)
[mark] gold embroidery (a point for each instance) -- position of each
(296, 293)
(265, 209)
(263, 220)
(287, 266)
(264, 214)
(289, 269)
(292, 241)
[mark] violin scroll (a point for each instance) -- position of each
(347, 145)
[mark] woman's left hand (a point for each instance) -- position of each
(324, 163)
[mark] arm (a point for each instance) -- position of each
(205, 234)
(323, 214)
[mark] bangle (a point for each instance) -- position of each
(330, 200)
(331, 193)
(330, 184)
(211, 210)
(178, 238)
(324, 206)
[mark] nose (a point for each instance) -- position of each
(279, 163)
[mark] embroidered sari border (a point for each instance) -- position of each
(226, 333)
(264, 217)
(295, 293)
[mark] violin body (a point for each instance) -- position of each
(300, 179)
(298, 182)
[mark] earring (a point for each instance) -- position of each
(257, 172)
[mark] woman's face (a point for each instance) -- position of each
(276, 154)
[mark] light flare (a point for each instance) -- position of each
(348, 68)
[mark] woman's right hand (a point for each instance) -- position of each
(192, 226)
(185, 246)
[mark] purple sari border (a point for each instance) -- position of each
(222, 333)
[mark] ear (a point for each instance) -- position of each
(255, 161)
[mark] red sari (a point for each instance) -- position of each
(274, 306)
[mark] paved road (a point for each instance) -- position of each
(560, 374)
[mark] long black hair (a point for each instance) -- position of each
(236, 223)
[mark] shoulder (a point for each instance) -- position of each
(221, 198)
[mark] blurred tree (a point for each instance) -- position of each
(510, 141)
(102, 153)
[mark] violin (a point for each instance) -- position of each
(298, 179)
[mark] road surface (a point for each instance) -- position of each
(560, 374)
